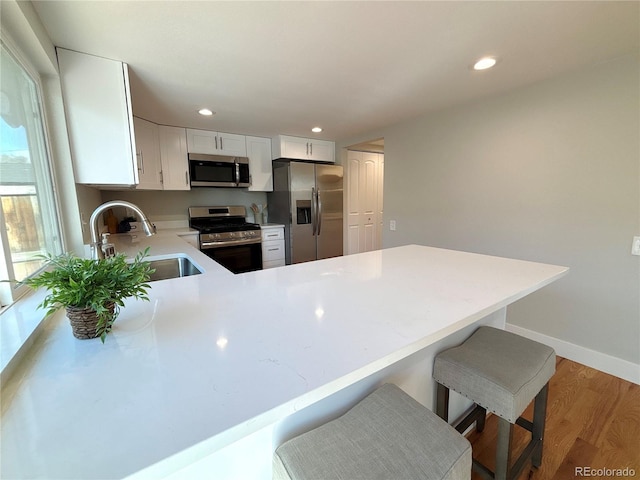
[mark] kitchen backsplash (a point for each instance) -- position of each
(170, 207)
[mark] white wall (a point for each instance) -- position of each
(548, 173)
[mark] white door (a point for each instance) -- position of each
(379, 210)
(363, 206)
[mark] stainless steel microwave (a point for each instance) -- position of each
(218, 171)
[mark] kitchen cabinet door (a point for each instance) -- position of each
(216, 143)
(173, 156)
(322, 151)
(284, 146)
(232, 145)
(273, 254)
(293, 147)
(202, 141)
(97, 103)
(147, 155)
(259, 153)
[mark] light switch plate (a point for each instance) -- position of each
(635, 246)
(392, 225)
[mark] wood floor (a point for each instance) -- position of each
(593, 420)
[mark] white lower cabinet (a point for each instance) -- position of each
(272, 246)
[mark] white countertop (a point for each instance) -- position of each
(214, 357)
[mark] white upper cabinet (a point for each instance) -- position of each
(147, 155)
(173, 156)
(97, 103)
(216, 143)
(232, 144)
(259, 153)
(284, 146)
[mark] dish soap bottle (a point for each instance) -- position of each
(112, 222)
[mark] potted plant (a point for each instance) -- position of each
(92, 291)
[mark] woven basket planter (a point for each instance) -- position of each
(84, 321)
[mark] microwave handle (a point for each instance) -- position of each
(237, 171)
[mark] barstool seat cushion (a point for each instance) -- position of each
(388, 435)
(496, 369)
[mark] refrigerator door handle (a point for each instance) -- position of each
(319, 211)
(314, 211)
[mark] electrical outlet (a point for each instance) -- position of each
(392, 225)
(635, 246)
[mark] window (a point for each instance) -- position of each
(28, 216)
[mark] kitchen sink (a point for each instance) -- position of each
(174, 267)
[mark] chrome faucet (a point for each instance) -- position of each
(96, 242)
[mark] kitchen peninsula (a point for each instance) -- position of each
(218, 358)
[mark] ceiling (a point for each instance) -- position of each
(350, 67)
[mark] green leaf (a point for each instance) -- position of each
(86, 283)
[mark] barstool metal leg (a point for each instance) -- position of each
(480, 420)
(539, 416)
(503, 449)
(442, 402)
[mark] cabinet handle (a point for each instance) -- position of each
(221, 147)
(186, 178)
(140, 162)
(307, 148)
(161, 177)
(311, 149)
(272, 249)
(216, 138)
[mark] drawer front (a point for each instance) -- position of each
(272, 250)
(273, 263)
(269, 234)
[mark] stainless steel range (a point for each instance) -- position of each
(227, 237)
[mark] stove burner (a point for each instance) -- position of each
(223, 226)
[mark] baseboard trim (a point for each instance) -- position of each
(600, 361)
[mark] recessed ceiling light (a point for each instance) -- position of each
(484, 63)
(206, 112)
(316, 129)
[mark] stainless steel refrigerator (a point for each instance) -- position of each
(307, 199)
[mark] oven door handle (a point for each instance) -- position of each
(229, 243)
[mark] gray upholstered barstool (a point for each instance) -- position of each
(500, 372)
(388, 435)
